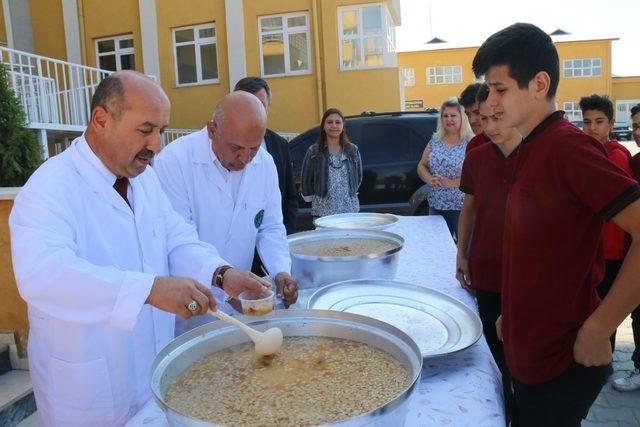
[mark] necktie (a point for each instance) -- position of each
(121, 185)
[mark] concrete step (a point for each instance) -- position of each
(5, 359)
(16, 398)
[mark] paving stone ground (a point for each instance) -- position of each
(613, 408)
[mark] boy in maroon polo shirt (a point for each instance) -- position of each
(556, 332)
(486, 176)
(471, 109)
(631, 382)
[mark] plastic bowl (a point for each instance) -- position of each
(257, 304)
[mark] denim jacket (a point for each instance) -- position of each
(315, 170)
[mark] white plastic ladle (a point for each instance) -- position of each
(266, 343)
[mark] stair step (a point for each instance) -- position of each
(5, 360)
(16, 398)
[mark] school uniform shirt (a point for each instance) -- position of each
(487, 175)
(564, 188)
(477, 141)
(85, 263)
(235, 211)
(615, 239)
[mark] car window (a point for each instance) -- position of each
(387, 142)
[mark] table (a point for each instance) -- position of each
(461, 389)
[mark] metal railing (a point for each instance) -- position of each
(55, 94)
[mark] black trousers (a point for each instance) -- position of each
(489, 310)
(562, 402)
(611, 269)
(635, 327)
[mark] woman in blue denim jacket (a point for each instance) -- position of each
(332, 169)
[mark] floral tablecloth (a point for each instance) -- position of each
(461, 389)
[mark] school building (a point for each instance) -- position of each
(441, 71)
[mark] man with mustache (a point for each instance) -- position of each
(104, 262)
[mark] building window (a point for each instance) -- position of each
(116, 53)
(585, 67)
(285, 44)
(195, 54)
(448, 74)
(409, 76)
(572, 111)
(366, 37)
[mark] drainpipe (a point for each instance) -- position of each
(316, 46)
(83, 41)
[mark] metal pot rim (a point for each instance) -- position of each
(329, 233)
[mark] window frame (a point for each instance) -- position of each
(117, 52)
(573, 68)
(453, 75)
(408, 76)
(574, 113)
(386, 35)
(286, 31)
(197, 42)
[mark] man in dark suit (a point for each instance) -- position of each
(278, 147)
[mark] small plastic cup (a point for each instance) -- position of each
(257, 304)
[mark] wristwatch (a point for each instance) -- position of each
(218, 275)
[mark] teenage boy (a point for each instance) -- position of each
(486, 174)
(468, 101)
(631, 382)
(597, 116)
(556, 332)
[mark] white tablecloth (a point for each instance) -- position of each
(461, 389)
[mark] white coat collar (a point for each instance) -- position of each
(96, 174)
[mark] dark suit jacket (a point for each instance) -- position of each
(278, 147)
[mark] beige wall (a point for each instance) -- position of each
(191, 106)
(626, 88)
(13, 310)
(48, 28)
(3, 30)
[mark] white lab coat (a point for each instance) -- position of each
(199, 192)
(85, 264)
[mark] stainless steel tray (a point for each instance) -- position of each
(348, 221)
(438, 323)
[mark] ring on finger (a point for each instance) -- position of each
(193, 306)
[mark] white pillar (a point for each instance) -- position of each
(72, 30)
(149, 36)
(234, 11)
(44, 143)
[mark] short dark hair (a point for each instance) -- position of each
(109, 95)
(468, 95)
(252, 85)
(635, 110)
(483, 93)
(597, 102)
(525, 49)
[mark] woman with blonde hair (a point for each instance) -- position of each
(441, 163)
(332, 169)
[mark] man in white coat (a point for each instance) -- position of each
(103, 262)
(223, 181)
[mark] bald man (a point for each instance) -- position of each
(104, 262)
(222, 180)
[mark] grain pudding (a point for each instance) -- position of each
(310, 381)
(342, 247)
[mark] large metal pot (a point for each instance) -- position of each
(190, 347)
(311, 271)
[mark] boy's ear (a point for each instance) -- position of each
(540, 85)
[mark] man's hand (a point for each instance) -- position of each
(173, 294)
(235, 282)
(287, 289)
(462, 272)
(592, 346)
(499, 327)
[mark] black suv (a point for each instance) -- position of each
(391, 145)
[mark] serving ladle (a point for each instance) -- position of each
(266, 343)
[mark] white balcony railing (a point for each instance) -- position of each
(55, 95)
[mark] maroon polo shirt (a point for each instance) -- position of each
(634, 163)
(486, 174)
(563, 189)
(477, 141)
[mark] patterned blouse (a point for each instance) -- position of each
(338, 199)
(446, 161)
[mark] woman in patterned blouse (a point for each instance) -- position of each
(441, 163)
(332, 169)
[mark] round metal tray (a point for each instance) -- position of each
(438, 323)
(349, 221)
